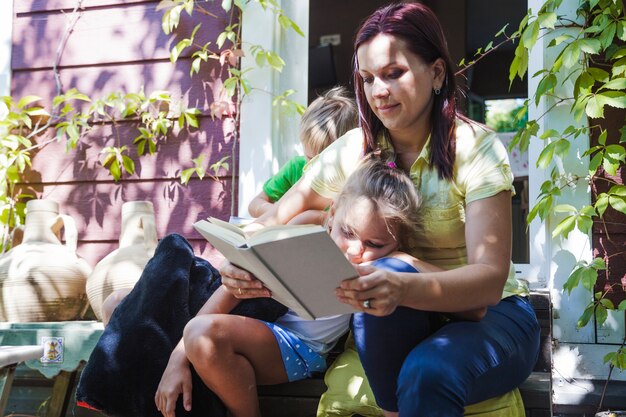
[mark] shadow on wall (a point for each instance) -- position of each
(121, 47)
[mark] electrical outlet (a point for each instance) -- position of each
(334, 39)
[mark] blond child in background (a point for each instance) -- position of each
(327, 118)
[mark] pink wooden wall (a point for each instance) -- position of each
(118, 45)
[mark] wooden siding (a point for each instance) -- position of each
(609, 237)
(118, 45)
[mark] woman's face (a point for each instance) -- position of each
(398, 84)
(360, 232)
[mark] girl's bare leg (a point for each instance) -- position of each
(232, 354)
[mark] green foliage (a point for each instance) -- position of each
(227, 50)
(507, 121)
(590, 57)
(26, 125)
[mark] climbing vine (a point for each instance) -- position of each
(28, 125)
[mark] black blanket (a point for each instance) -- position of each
(124, 369)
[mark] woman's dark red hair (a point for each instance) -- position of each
(418, 26)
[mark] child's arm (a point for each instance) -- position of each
(310, 217)
(176, 378)
(221, 302)
(260, 205)
(473, 315)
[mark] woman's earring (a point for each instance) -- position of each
(437, 91)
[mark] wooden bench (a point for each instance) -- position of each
(296, 399)
(300, 398)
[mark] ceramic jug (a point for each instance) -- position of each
(121, 269)
(41, 278)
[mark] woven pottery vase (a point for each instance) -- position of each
(41, 278)
(122, 268)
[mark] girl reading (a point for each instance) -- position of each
(369, 220)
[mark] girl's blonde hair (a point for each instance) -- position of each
(327, 118)
(390, 190)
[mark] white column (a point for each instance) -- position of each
(552, 260)
(6, 27)
(268, 138)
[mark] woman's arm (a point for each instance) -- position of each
(473, 315)
(476, 285)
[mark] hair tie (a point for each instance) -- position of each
(392, 164)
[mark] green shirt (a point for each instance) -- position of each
(285, 178)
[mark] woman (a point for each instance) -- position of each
(406, 93)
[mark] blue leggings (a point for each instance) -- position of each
(418, 365)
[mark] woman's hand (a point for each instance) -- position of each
(375, 291)
(240, 283)
(176, 380)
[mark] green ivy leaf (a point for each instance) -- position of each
(586, 316)
(561, 147)
(615, 84)
(260, 59)
(621, 30)
(598, 264)
(618, 203)
(191, 120)
(565, 208)
(606, 303)
(129, 164)
(613, 98)
(541, 209)
(186, 174)
(530, 35)
(594, 107)
(607, 35)
(584, 223)
(601, 313)
(589, 278)
(547, 20)
(618, 190)
(610, 357)
(25, 101)
(546, 155)
(275, 61)
(595, 162)
(602, 203)
(598, 74)
(619, 67)
(115, 170)
(571, 54)
(546, 84)
(590, 45)
(565, 227)
(221, 39)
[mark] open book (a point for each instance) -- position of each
(300, 265)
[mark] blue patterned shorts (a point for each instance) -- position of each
(299, 359)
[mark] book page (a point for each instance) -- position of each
(230, 235)
(279, 232)
(237, 252)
